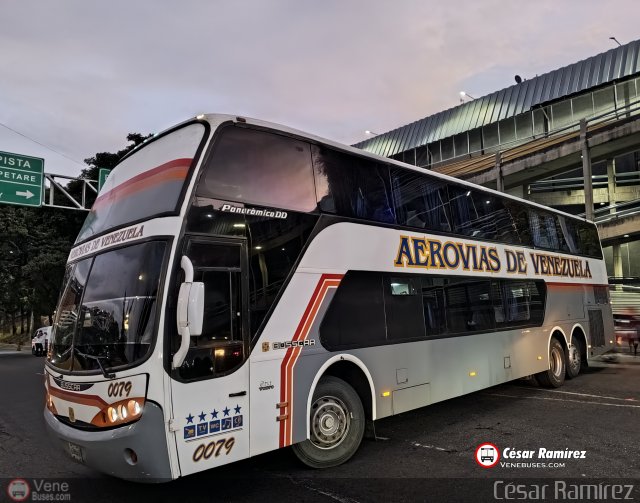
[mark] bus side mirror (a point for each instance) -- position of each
(191, 307)
(190, 311)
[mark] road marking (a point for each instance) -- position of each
(429, 446)
(580, 394)
(565, 400)
(333, 496)
(39, 374)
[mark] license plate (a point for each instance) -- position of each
(75, 451)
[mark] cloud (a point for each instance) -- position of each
(80, 75)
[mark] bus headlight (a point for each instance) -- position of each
(134, 408)
(122, 412)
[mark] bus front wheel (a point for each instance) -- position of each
(336, 425)
(554, 377)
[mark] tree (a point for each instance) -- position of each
(35, 244)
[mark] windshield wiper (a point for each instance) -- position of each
(108, 375)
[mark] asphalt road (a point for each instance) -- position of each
(424, 455)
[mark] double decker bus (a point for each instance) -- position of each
(239, 287)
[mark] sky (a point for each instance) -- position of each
(79, 75)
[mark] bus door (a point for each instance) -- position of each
(210, 390)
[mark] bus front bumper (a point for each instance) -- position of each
(109, 451)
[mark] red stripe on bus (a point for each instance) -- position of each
(302, 331)
(172, 170)
(549, 283)
(91, 400)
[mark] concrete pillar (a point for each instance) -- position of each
(611, 183)
(499, 177)
(617, 261)
(586, 171)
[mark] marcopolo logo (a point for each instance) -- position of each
(487, 455)
(18, 490)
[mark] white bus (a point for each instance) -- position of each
(240, 287)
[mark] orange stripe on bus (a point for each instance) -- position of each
(302, 331)
(169, 171)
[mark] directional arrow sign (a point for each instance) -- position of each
(21, 178)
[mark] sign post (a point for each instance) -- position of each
(102, 177)
(21, 179)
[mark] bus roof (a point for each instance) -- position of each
(216, 120)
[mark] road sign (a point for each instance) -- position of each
(102, 177)
(21, 178)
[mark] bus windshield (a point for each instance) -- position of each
(107, 312)
(146, 184)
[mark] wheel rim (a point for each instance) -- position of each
(330, 421)
(556, 362)
(574, 358)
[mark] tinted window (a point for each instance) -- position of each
(469, 307)
(481, 215)
(433, 304)
(203, 254)
(274, 248)
(518, 303)
(543, 230)
(259, 168)
(117, 317)
(353, 186)
(560, 233)
(355, 317)
(420, 201)
(403, 307)
(421, 306)
(67, 313)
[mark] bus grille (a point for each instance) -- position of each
(596, 327)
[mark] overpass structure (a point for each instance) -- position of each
(569, 139)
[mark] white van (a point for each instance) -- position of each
(40, 341)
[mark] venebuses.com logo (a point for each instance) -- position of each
(487, 455)
(18, 490)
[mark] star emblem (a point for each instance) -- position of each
(237, 409)
(226, 411)
(202, 416)
(189, 419)
(214, 414)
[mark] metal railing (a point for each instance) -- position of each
(55, 192)
(615, 211)
(485, 158)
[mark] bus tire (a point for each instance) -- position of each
(574, 358)
(554, 377)
(336, 427)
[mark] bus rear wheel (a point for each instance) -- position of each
(574, 358)
(336, 425)
(554, 377)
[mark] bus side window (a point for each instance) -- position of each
(259, 168)
(353, 186)
(356, 316)
(434, 306)
(420, 201)
(403, 308)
